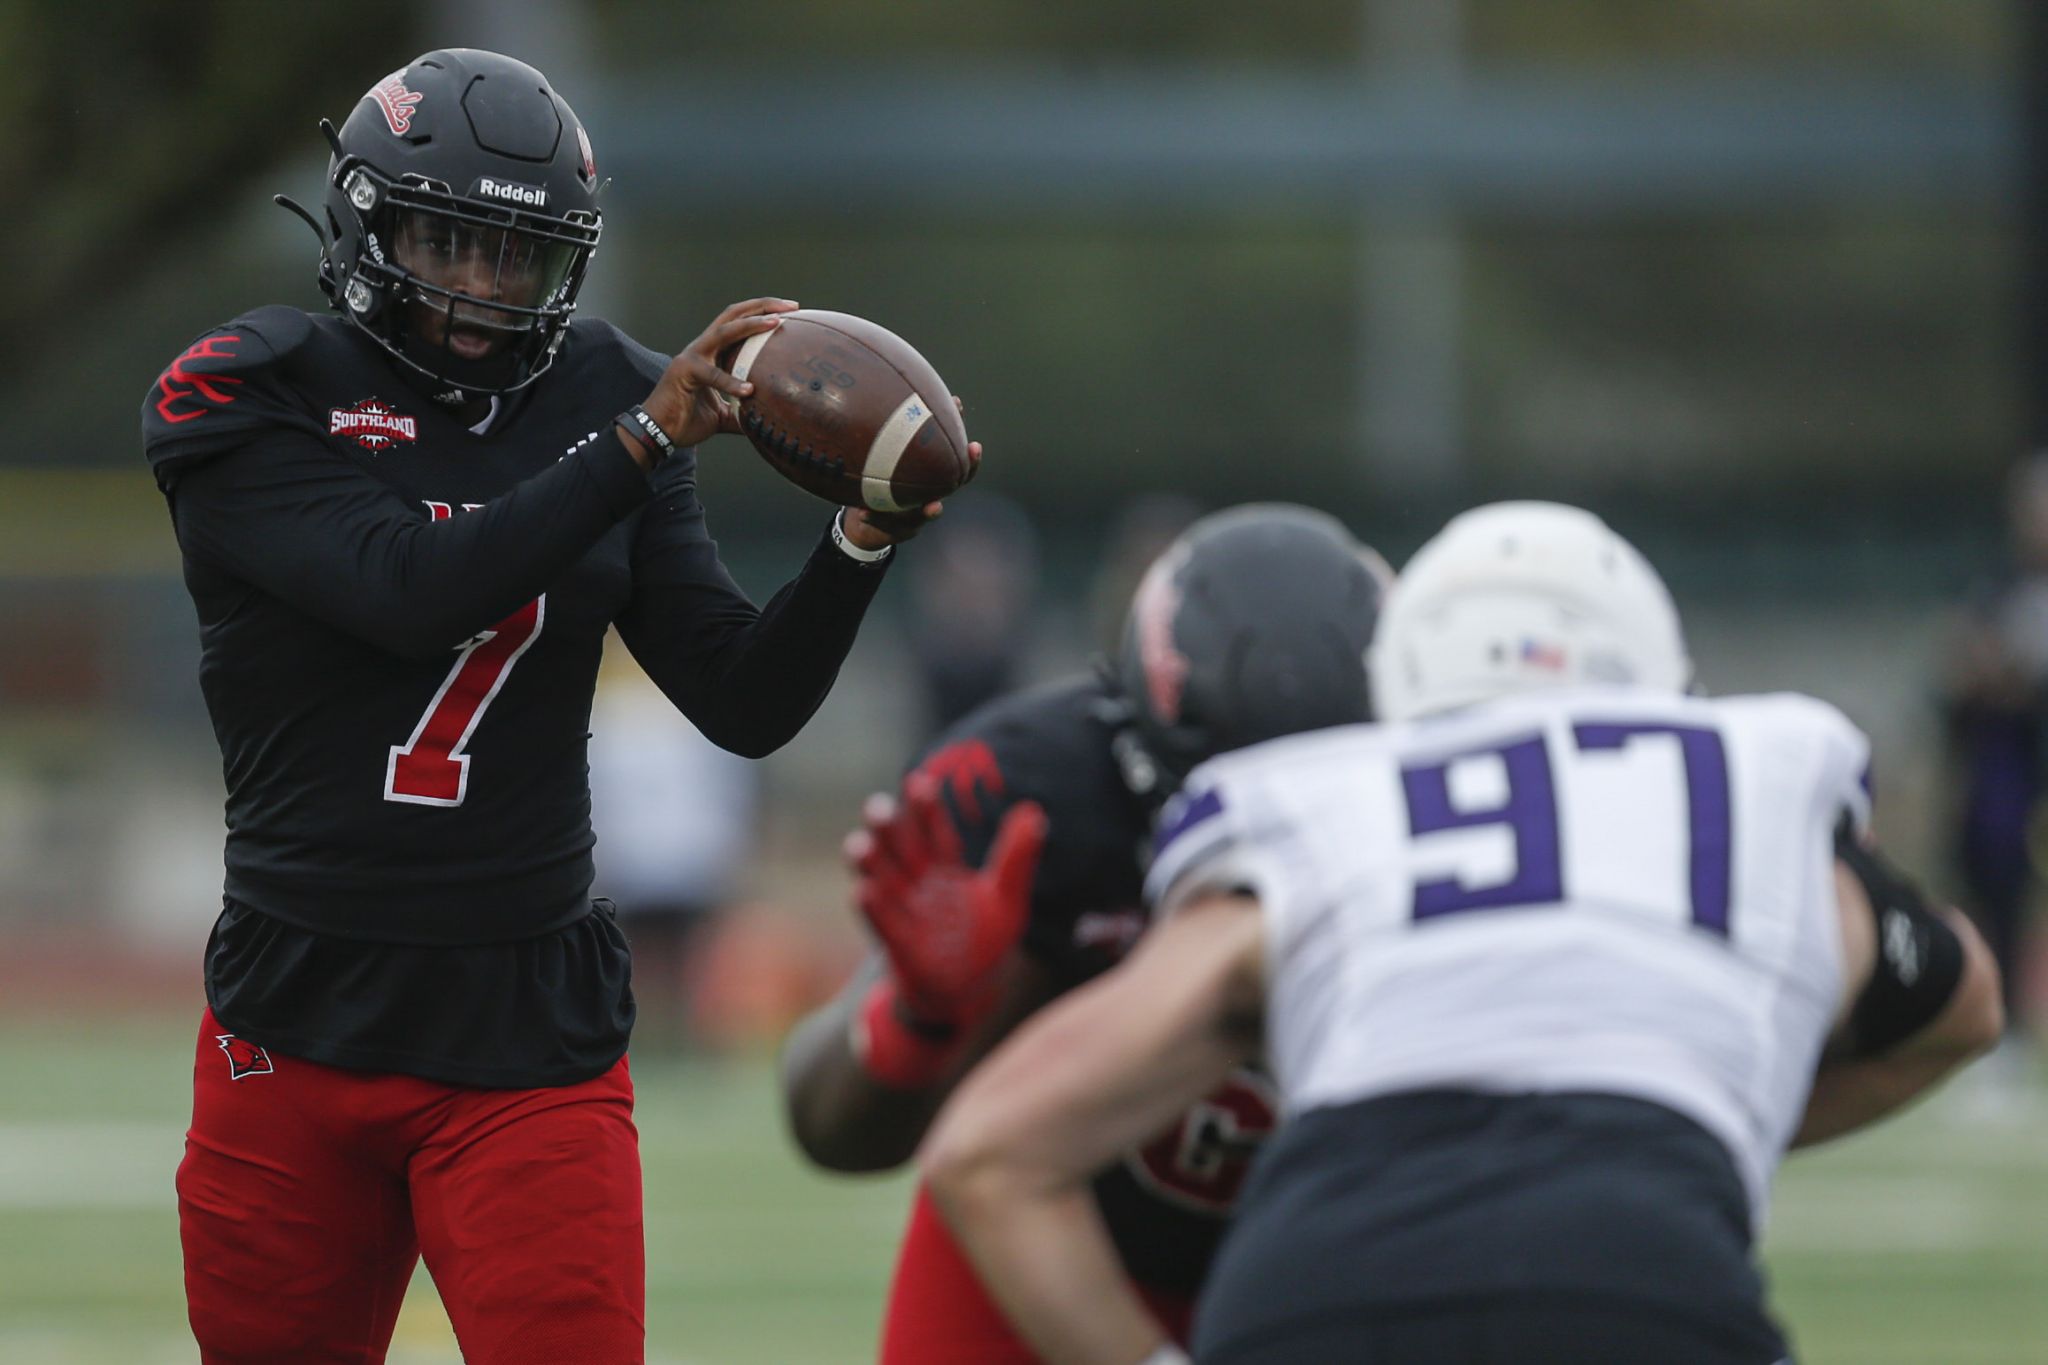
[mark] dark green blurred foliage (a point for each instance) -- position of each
(145, 122)
(1817, 354)
(1843, 369)
(771, 35)
(1965, 35)
(1098, 359)
(1898, 35)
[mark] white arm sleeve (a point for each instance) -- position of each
(1845, 765)
(1207, 842)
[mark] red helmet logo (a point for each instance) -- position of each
(397, 102)
(1166, 667)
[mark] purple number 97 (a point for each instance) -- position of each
(1529, 810)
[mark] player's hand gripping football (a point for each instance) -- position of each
(685, 401)
(945, 925)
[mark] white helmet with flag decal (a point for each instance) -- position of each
(1521, 595)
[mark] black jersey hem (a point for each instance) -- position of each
(423, 1066)
(470, 913)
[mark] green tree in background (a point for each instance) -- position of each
(122, 108)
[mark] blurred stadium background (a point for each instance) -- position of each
(1760, 280)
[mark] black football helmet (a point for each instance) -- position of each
(1253, 624)
(461, 215)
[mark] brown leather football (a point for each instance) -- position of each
(850, 411)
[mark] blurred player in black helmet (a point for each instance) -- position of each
(405, 530)
(1009, 871)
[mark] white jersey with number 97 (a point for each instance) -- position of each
(1606, 890)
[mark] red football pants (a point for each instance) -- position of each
(307, 1192)
(940, 1315)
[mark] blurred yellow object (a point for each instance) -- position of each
(83, 523)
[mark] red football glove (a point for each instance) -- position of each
(946, 926)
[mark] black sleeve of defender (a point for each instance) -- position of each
(1919, 958)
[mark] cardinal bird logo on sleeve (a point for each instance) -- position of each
(200, 390)
(244, 1057)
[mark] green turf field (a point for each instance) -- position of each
(1923, 1244)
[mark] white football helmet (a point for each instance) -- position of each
(1521, 595)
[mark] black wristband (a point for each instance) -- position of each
(1919, 958)
(636, 420)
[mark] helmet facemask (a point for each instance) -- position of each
(461, 215)
(472, 296)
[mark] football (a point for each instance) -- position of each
(850, 411)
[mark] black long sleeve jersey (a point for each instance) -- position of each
(401, 621)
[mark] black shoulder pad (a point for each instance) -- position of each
(1919, 958)
(220, 388)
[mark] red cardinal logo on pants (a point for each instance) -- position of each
(244, 1057)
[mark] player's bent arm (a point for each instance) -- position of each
(749, 677)
(285, 516)
(1098, 1072)
(1921, 998)
(845, 1119)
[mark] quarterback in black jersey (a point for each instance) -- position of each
(1010, 869)
(406, 530)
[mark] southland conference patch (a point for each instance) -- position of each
(373, 424)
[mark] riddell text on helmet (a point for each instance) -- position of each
(512, 192)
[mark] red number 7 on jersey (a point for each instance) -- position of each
(430, 769)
